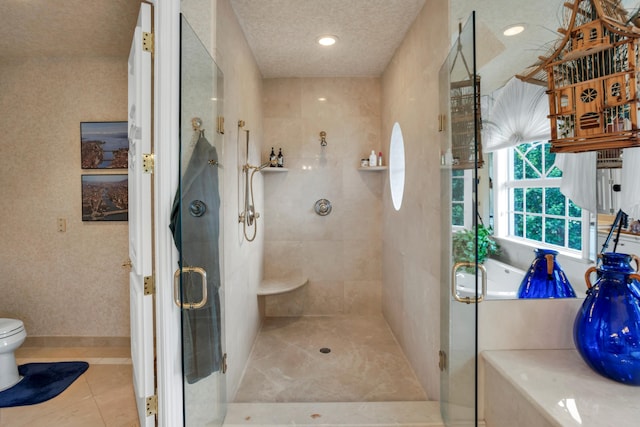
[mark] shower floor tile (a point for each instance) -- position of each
(364, 362)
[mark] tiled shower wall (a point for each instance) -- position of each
(340, 253)
(411, 259)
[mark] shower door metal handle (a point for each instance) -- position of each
(176, 288)
(454, 283)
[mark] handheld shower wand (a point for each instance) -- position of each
(248, 217)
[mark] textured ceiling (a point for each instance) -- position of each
(282, 34)
(66, 27)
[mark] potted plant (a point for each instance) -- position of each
(464, 244)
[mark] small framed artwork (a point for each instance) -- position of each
(105, 197)
(104, 145)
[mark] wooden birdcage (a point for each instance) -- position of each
(465, 124)
(592, 78)
(610, 158)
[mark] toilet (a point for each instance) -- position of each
(12, 335)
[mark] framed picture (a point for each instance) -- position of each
(104, 145)
(105, 197)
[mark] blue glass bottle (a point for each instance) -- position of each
(545, 278)
(607, 327)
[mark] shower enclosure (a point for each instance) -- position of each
(461, 159)
(196, 225)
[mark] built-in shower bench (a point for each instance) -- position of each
(280, 286)
(527, 388)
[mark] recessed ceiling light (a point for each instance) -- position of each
(327, 40)
(322, 99)
(512, 30)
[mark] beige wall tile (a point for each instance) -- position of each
(345, 245)
(362, 297)
(411, 291)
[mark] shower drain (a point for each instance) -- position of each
(325, 350)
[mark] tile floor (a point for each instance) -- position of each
(101, 397)
(365, 363)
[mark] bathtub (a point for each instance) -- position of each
(503, 281)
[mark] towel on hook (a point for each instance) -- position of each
(195, 225)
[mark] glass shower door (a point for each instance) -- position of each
(461, 158)
(197, 229)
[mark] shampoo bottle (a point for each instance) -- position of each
(280, 159)
(372, 158)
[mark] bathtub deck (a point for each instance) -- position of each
(554, 388)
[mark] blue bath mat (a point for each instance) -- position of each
(41, 382)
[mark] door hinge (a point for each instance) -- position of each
(441, 122)
(152, 405)
(221, 125)
(147, 42)
(442, 360)
(149, 285)
(148, 163)
(224, 363)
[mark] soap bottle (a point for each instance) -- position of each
(380, 158)
(273, 160)
(280, 159)
(372, 158)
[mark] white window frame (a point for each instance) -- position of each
(504, 221)
(467, 178)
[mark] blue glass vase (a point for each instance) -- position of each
(607, 328)
(545, 278)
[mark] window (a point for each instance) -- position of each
(457, 197)
(396, 166)
(461, 198)
(537, 210)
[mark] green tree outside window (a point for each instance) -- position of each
(538, 210)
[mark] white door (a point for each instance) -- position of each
(141, 221)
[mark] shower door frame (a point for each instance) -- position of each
(201, 102)
(166, 79)
(459, 318)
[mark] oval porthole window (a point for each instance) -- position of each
(396, 166)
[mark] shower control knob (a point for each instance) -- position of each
(323, 207)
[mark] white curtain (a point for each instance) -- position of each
(518, 115)
(579, 178)
(630, 182)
